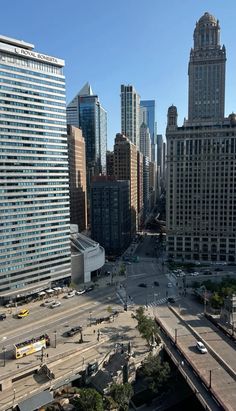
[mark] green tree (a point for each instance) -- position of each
(146, 326)
(155, 372)
(216, 301)
(122, 394)
(88, 400)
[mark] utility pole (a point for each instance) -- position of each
(176, 335)
(210, 378)
(55, 338)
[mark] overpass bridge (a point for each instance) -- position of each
(211, 376)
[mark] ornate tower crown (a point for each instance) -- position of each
(207, 32)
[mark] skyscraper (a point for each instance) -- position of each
(145, 142)
(126, 168)
(77, 173)
(86, 112)
(130, 117)
(34, 199)
(206, 73)
(110, 213)
(201, 166)
(147, 111)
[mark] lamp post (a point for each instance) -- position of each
(14, 397)
(42, 355)
(210, 378)
(4, 356)
(176, 335)
(55, 339)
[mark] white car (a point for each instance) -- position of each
(201, 347)
(195, 274)
(79, 292)
(70, 294)
(47, 303)
(55, 304)
(169, 285)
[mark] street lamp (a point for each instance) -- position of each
(210, 376)
(176, 335)
(4, 356)
(55, 339)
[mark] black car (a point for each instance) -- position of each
(171, 300)
(3, 316)
(219, 269)
(142, 285)
(156, 283)
(73, 331)
(89, 289)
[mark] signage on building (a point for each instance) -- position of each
(33, 54)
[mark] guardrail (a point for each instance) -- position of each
(192, 366)
(214, 354)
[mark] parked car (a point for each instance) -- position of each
(23, 313)
(89, 289)
(79, 292)
(47, 303)
(171, 300)
(55, 304)
(142, 285)
(73, 331)
(201, 347)
(70, 294)
(169, 285)
(219, 269)
(156, 283)
(3, 316)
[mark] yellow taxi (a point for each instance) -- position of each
(23, 313)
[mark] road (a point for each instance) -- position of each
(79, 310)
(211, 371)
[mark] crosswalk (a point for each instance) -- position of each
(160, 301)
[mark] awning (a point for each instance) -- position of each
(57, 288)
(49, 291)
(41, 293)
(37, 401)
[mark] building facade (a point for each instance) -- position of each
(201, 166)
(146, 189)
(140, 189)
(206, 73)
(86, 112)
(125, 168)
(110, 163)
(34, 199)
(145, 142)
(77, 174)
(147, 109)
(130, 114)
(110, 213)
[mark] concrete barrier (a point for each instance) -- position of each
(214, 354)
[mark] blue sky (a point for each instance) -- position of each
(109, 42)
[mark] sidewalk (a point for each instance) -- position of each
(65, 361)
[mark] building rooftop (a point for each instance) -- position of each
(15, 42)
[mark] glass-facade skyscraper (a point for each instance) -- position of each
(86, 112)
(147, 111)
(34, 195)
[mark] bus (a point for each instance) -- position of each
(31, 346)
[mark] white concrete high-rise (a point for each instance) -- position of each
(130, 114)
(34, 199)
